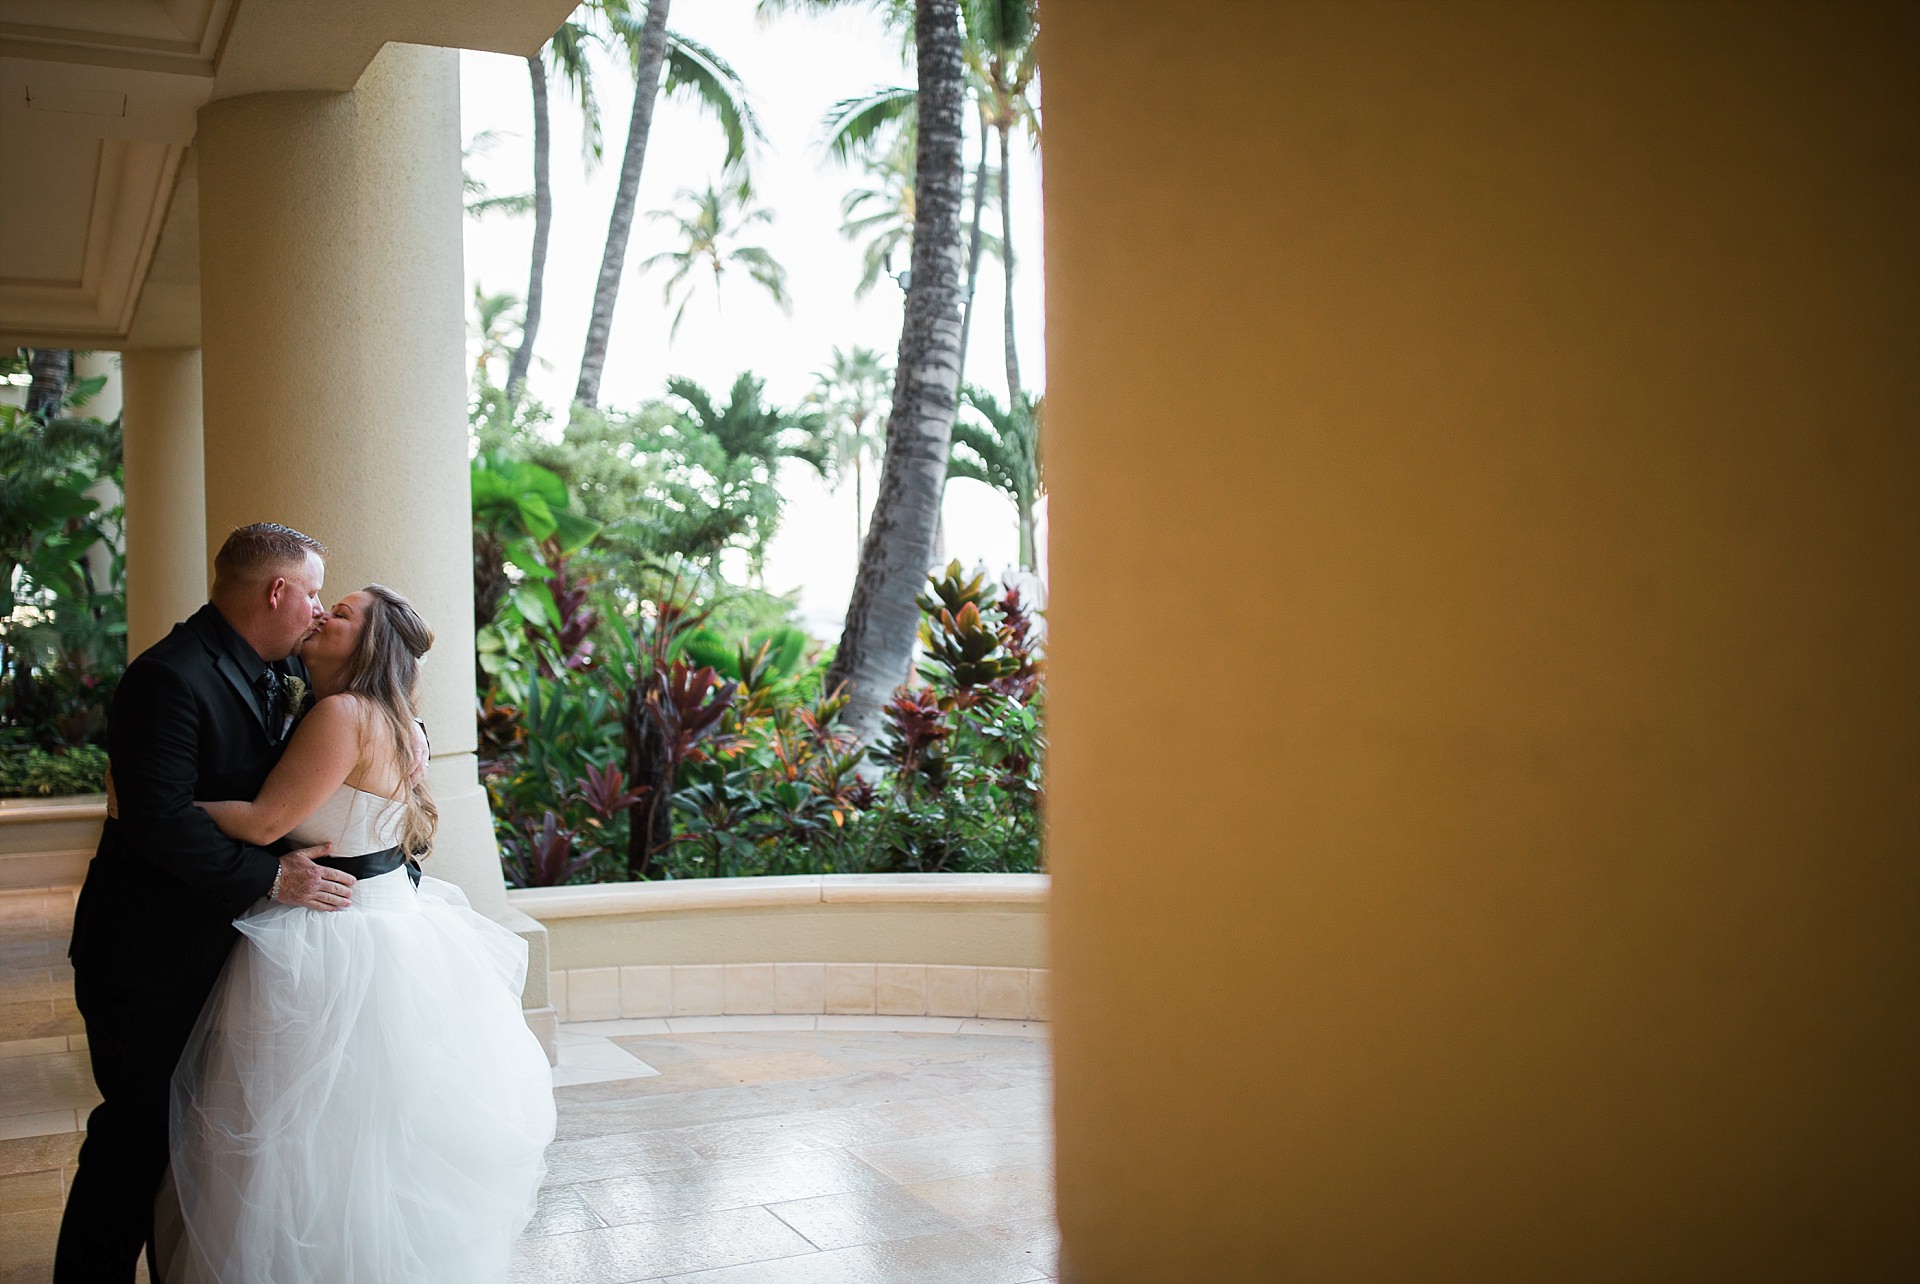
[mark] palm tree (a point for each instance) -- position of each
(881, 213)
(741, 446)
(690, 68)
(1002, 448)
(859, 126)
(568, 50)
(481, 200)
(851, 395)
(876, 645)
(493, 328)
(711, 222)
(1001, 51)
(869, 124)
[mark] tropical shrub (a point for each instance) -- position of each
(32, 772)
(62, 578)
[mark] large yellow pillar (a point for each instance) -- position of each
(332, 326)
(1486, 850)
(166, 499)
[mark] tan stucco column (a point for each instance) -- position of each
(332, 323)
(166, 497)
(1521, 886)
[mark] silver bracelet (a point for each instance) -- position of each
(279, 868)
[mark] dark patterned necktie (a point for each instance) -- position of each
(269, 686)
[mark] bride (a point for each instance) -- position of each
(361, 1101)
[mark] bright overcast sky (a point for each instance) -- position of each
(795, 68)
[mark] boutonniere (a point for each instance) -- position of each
(299, 698)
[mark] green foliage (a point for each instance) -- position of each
(641, 718)
(37, 773)
(781, 648)
(62, 594)
(710, 222)
(719, 467)
(1000, 447)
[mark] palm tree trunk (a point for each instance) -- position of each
(859, 502)
(51, 370)
(542, 227)
(973, 245)
(876, 647)
(646, 90)
(1028, 560)
(1006, 260)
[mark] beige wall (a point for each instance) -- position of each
(1509, 872)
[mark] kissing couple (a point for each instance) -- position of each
(326, 1047)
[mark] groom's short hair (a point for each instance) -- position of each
(261, 551)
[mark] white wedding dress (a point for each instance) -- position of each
(361, 1101)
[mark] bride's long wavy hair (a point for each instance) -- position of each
(384, 670)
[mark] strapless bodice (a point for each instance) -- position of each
(354, 821)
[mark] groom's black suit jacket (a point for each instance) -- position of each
(156, 911)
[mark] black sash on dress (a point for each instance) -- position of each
(371, 864)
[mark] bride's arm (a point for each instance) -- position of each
(323, 751)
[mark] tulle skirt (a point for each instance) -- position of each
(361, 1101)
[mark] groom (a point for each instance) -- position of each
(202, 714)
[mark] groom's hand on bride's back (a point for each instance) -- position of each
(316, 887)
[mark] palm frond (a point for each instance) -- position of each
(1002, 27)
(765, 269)
(567, 62)
(853, 124)
(694, 69)
(518, 205)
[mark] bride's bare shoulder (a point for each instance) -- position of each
(343, 715)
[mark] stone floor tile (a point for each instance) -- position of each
(1021, 1029)
(39, 1125)
(24, 948)
(38, 1018)
(27, 1237)
(998, 1195)
(730, 1024)
(42, 1150)
(24, 1192)
(1035, 1239)
(49, 1081)
(630, 1107)
(959, 1154)
(624, 1028)
(645, 1250)
(862, 1217)
(727, 1184)
(956, 1257)
(764, 1136)
(33, 1047)
(601, 1054)
(858, 1088)
(894, 1024)
(561, 1212)
(597, 1158)
(25, 984)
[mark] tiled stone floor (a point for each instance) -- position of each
(716, 1150)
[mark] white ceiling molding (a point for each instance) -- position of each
(99, 101)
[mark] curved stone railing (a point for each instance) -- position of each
(47, 842)
(944, 945)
